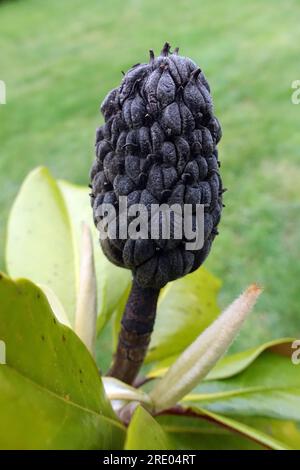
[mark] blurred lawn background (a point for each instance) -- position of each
(59, 59)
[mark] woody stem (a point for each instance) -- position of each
(134, 337)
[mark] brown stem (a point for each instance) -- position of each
(134, 337)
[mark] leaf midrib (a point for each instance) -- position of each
(233, 393)
(64, 400)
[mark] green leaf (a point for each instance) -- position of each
(244, 429)
(202, 433)
(44, 239)
(196, 428)
(145, 433)
(33, 417)
(185, 308)
(231, 364)
(104, 348)
(40, 244)
(260, 398)
(51, 392)
(200, 357)
(236, 363)
(120, 393)
(112, 281)
(56, 306)
(159, 368)
(269, 387)
(286, 432)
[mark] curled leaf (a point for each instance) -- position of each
(120, 393)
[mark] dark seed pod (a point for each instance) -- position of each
(156, 148)
(158, 145)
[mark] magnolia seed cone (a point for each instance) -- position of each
(158, 145)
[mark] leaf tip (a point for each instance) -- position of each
(254, 289)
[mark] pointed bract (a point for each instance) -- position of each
(201, 356)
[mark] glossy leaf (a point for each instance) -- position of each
(185, 308)
(56, 305)
(33, 417)
(236, 363)
(120, 393)
(145, 433)
(200, 433)
(244, 429)
(44, 239)
(286, 432)
(86, 310)
(112, 281)
(104, 348)
(200, 357)
(270, 387)
(49, 374)
(40, 244)
(231, 364)
(214, 431)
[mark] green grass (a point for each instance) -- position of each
(60, 58)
